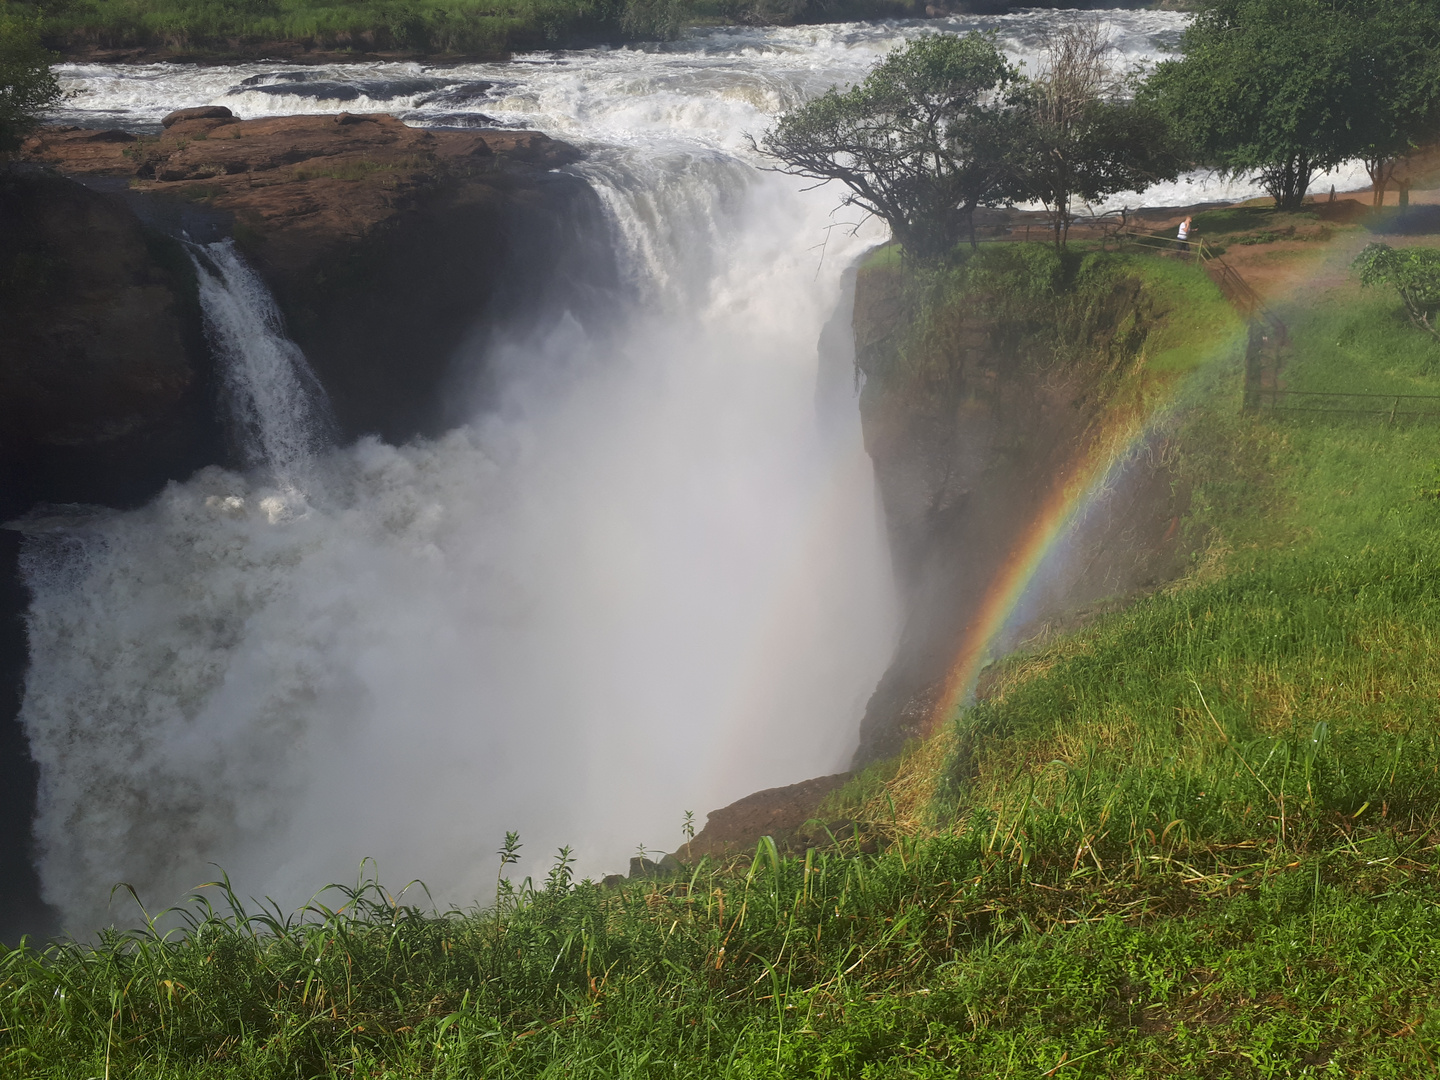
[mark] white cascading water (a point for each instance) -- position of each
(278, 412)
(648, 580)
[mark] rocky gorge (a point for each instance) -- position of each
(387, 248)
(574, 400)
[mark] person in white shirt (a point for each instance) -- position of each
(1184, 236)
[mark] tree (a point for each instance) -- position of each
(27, 85)
(1413, 272)
(1396, 101)
(1085, 135)
(1284, 89)
(921, 142)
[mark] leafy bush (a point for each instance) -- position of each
(1413, 272)
(27, 86)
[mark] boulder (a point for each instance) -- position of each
(200, 112)
(647, 869)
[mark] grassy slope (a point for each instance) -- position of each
(1194, 838)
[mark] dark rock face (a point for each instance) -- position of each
(103, 374)
(781, 813)
(383, 321)
(200, 112)
(390, 250)
(21, 909)
(104, 396)
(386, 246)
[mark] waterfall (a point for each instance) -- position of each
(643, 581)
(277, 409)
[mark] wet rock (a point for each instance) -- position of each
(103, 391)
(386, 246)
(648, 870)
(963, 470)
(786, 814)
(200, 112)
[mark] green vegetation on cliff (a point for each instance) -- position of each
(1196, 837)
(26, 84)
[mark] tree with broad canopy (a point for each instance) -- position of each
(921, 142)
(1285, 89)
(946, 124)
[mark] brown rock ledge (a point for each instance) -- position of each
(385, 245)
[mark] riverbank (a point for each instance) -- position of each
(317, 32)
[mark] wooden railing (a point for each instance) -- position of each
(1393, 407)
(1269, 338)
(1224, 275)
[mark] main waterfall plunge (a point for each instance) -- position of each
(649, 580)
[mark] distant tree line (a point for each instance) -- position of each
(1277, 90)
(231, 29)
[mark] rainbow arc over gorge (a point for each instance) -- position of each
(1091, 472)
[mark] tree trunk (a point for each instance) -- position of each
(1288, 182)
(1382, 171)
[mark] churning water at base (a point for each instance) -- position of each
(648, 580)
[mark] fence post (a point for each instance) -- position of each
(1253, 373)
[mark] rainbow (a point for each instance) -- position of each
(1088, 477)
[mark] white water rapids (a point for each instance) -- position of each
(650, 580)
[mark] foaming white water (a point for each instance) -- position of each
(647, 581)
(708, 89)
(277, 408)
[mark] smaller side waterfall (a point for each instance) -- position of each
(278, 411)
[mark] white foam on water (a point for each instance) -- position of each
(277, 408)
(708, 89)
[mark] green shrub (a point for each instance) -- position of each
(27, 86)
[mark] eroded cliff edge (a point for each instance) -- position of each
(386, 246)
(993, 392)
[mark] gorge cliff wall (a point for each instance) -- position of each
(982, 387)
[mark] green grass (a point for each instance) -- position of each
(1196, 838)
(1135, 322)
(980, 953)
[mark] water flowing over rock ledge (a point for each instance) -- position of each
(384, 245)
